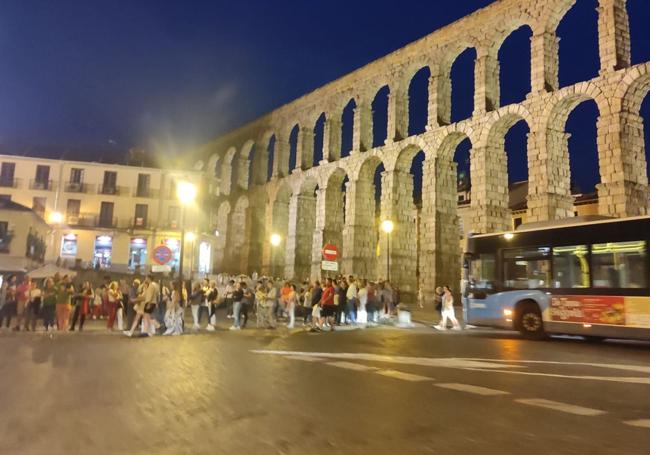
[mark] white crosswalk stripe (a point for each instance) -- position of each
(562, 407)
(642, 423)
(305, 358)
(404, 376)
(351, 366)
(477, 390)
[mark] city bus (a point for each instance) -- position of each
(575, 277)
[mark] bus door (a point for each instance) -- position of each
(479, 301)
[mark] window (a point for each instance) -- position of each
(110, 181)
(517, 222)
(38, 205)
(106, 214)
(73, 208)
(140, 215)
(143, 185)
(7, 171)
(619, 265)
(76, 175)
(571, 267)
(42, 178)
(527, 268)
(482, 272)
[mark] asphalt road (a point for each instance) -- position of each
(380, 390)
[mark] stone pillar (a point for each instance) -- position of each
(613, 35)
(267, 248)
(549, 181)
(489, 172)
(305, 148)
(398, 114)
(545, 61)
(257, 237)
(290, 245)
(304, 236)
(440, 233)
(332, 140)
(623, 190)
(486, 83)
(397, 206)
(362, 131)
(243, 173)
(281, 157)
(360, 232)
(318, 237)
(432, 109)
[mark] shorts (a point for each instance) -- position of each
(20, 307)
(149, 308)
(328, 311)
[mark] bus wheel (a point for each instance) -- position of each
(529, 322)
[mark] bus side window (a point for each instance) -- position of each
(571, 267)
(619, 265)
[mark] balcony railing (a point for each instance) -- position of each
(105, 222)
(170, 224)
(9, 183)
(45, 185)
(75, 187)
(109, 189)
(85, 220)
(149, 193)
(139, 223)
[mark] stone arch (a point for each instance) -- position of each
(444, 87)
(418, 100)
(245, 162)
(272, 161)
(347, 127)
(240, 236)
(294, 147)
(213, 168)
(503, 76)
(380, 105)
(302, 224)
(221, 223)
(228, 177)
(319, 139)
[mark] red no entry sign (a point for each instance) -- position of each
(330, 252)
(162, 255)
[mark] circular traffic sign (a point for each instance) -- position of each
(330, 252)
(162, 254)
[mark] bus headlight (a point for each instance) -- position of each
(507, 313)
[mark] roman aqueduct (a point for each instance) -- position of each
(329, 195)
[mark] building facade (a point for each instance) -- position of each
(23, 238)
(111, 216)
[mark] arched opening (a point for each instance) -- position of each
(516, 146)
(463, 172)
(578, 32)
(319, 134)
(581, 125)
(293, 147)
(255, 167)
(270, 150)
(417, 168)
(462, 85)
(638, 12)
(347, 128)
(380, 117)
(306, 224)
(419, 101)
(645, 115)
(514, 63)
(280, 216)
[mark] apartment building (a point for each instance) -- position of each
(109, 216)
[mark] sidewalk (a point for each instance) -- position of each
(428, 315)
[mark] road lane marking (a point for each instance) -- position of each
(403, 376)
(477, 390)
(613, 366)
(624, 380)
(562, 407)
(304, 358)
(642, 423)
(351, 366)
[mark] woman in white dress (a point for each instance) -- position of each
(174, 313)
(448, 311)
(362, 314)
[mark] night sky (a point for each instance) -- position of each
(168, 75)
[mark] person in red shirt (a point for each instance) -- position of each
(328, 309)
(22, 297)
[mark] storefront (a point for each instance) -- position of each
(69, 246)
(205, 256)
(103, 251)
(137, 254)
(175, 246)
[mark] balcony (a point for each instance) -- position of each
(75, 187)
(82, 220)
(170, 224)
(139, 223)
(148, 193)
(44, 185)
(5, 241)
(9, 183)
(105, 222)
(113, 190)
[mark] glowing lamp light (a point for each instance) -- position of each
(216, 233)
(387, 226)
(190, 236)
(56, 217)
(186, 192)
(275, 239)
(508, 236)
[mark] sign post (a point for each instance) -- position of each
(162, 256)
(330, 258)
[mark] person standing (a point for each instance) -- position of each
(448, 311)
(362, 296)
(114, 299)
(237, 297)
(9, 301)
(351, 299)
(213, 302)
(437, 299)
(174, 313)
(64, 293)
(196, 297)
(82, 308)
(328, 309)
(49, 300)
(33, 307)
(22, 297)
(291, 301)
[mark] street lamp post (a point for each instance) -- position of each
(275, 242)
(186, 194)
(191, 237)
(387, 226)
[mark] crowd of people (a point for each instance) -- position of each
(148, 307)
